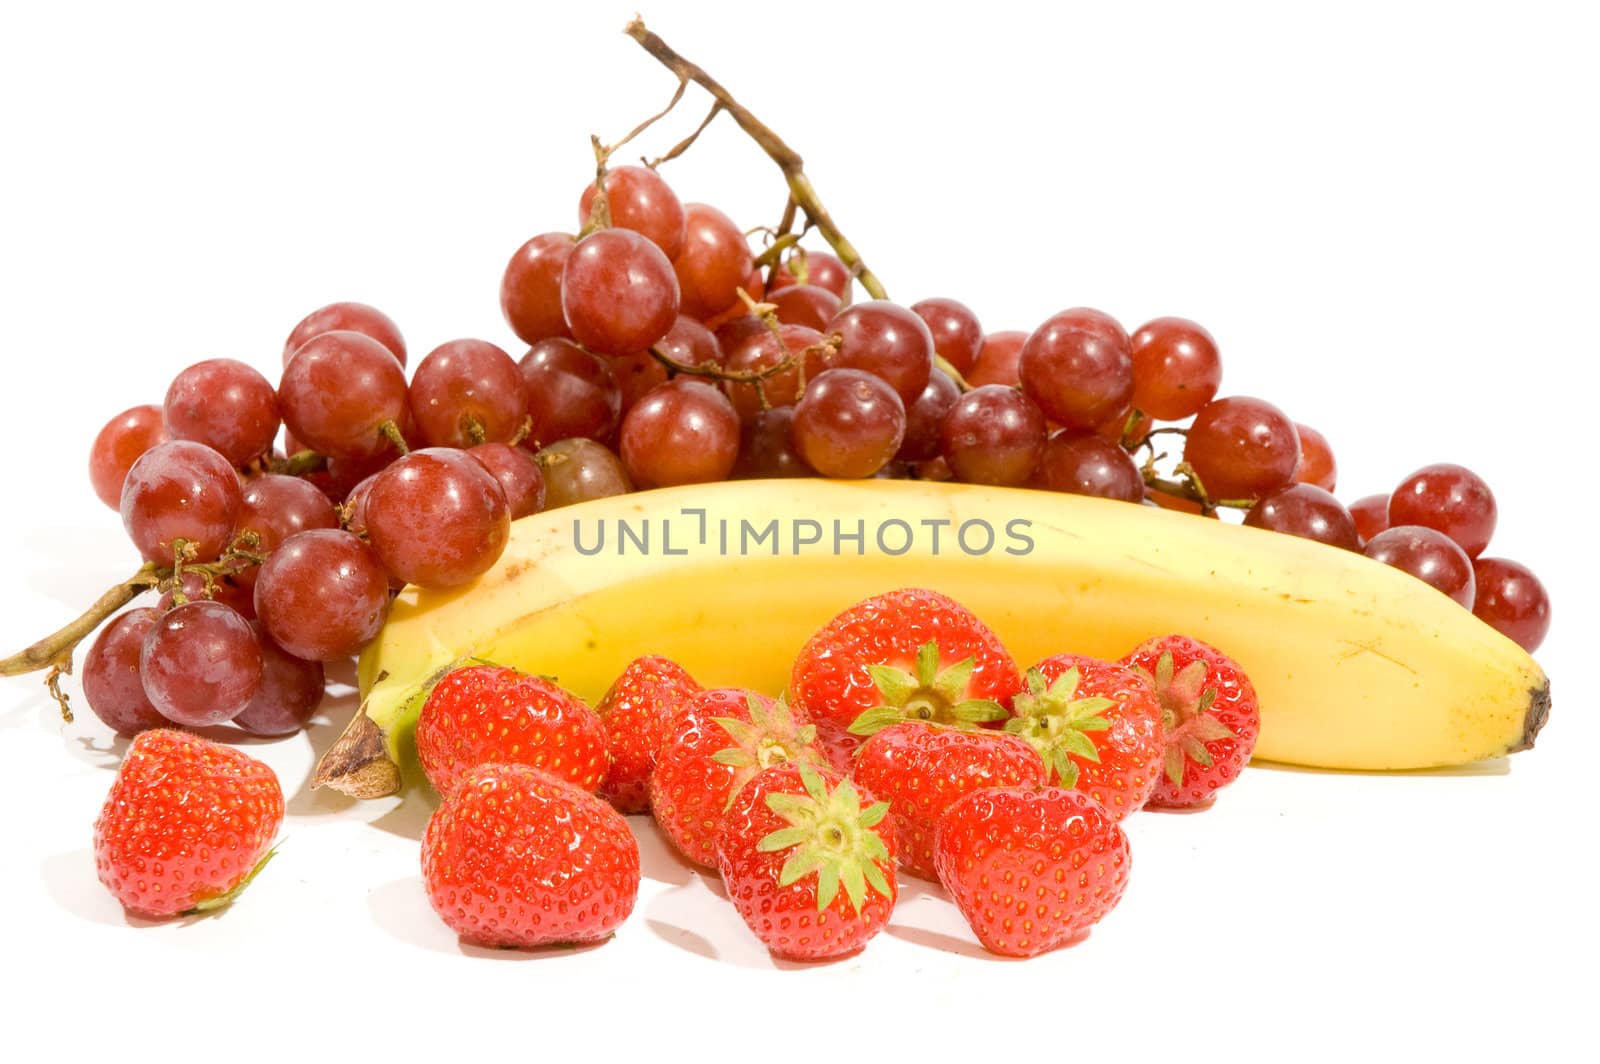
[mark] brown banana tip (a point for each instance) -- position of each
(1538, 713)
(358, 764)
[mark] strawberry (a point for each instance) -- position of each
(1097, 725)
(480, 713)
(1209, 715)
(1030, 868)
(638, 712)
(910, 654)
(187, 825)
(515, 857)
(810, 871)
(920, 769)
(719, 743)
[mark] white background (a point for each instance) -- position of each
(1385, 213)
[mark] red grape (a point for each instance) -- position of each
(111, 681)
(805, 304)
(817, 268)
(339, 392)
(1512, 600)
(1078, 367)
(1371, 515)
(322, 595)
(638, 199)
(436, 518)
(766, 447)
(1307, 511)
(618, 292)
(1316, 459)
(993, 435)
(577, 470)
(291, 689)
(518, 474)
(1120, 432)
(347, 317)
(1448, 498)
(118, 445)
(924, 417)
(1088, 465)
(957, 336)
(887, 340)
(997, 360)
(732, 333)
(229, 589)
(636, 375)
(570, 392)
(530, 290)
(1176, 368)
(1430, 556)
(225, 405)
(200, 663)
(714, 263)
(763, 351)
(681, 432)
(849, 423)
(275, 507)
(1242, 448)
(467, 392)
(691, 344)
(180, 490)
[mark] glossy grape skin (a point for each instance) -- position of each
(201, 664)
(993, 435)
(1512, 600)
(848, 424)
(118, 445)
(229, 589)
(180, 490)
(1449, 498)
(1371, 515)
(820, 268)
(291, 689)
(437, 518)
(347, 317)
(924, 417)
(997, 359)
(766, 447)
(225, 405)
(1078, 368)
(714, 263)
(467, 392)
(569, 391)
(885, 339)
(735, 331)
(337, 393)
(1088, 465)
(112, 684)
(1242, 448)
(638, 199)
(275, 507)
(518, 474)
(957, 335)
(1176, 368)
(1316, 459)
(577, 470)
(682, 432)
(763, 350)
(690, 343)
(1428, 555)
(636, 376)
(805, 304)
(1309, 512)
(530, 288)
(322, 595)
(618, 292)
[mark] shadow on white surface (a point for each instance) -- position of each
(400, 907)
(410, 815)
(659, 860)
(322, 731)
(72, 883)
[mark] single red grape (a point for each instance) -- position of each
(1176, 368)
(1242, 448)
(339, 392)
(732, 333)
(570, 392)
(1428, 555)
(467, 392)
(347, 317)
(1088, 465)
(200, 663)
(322, 595)
(530, 289)
(1307, 511)
(997, 360)
(518, 474)
(436, 518)
(118, 445)
(638, 199)
(636, 376)
(691, 344)
(681, 432)
(714, 263)
(886, 340)
(618, 292)
(1512, 600)
(957, 336)
(275, 507)
(1119, 431)
(924, 417)
(111, 681)
(577, 470)
(180, 490)
(1371, 515)
(291, 689)
(1316, 459)
(819, 268)
(766, 447)
(993, 435)
(1078, 367)
(848, 424)
(1449, 498)
(805, 304)
(763, 351)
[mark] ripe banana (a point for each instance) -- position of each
(1358, 666)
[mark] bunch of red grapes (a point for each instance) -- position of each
(662, 354)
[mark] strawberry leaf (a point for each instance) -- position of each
(896, 685)
(1173, 764)
(928, 663)
(1208, 729)
(875, 720)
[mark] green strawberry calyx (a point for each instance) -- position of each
(1057, 723)
(1186, 718)
(933, 695)
(768, 738)
(227, 897)
(831, 836)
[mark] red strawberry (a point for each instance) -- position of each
(1030, 868)
(811, 872)
(187, 825)
(482, 713)
(920, 769)
(515, 857)
(719, 743)
(638, 712)
(1097, 725)
(1209, 715)
(910, 654)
